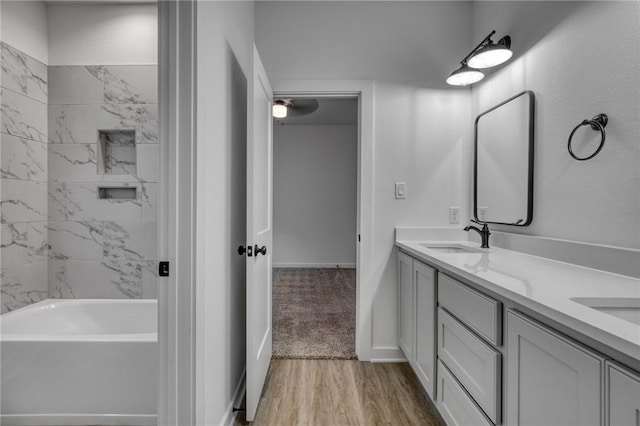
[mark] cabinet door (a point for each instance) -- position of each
(477, 311)
(476, 365)
(454, 404)
(425, 288)
(623, 397)
(406, 300)
(550, 380)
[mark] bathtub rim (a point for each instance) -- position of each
(54, 303)
(78, 419)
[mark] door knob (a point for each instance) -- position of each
(242, 250)
(260, 250)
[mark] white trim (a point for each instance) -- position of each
(230, 417)
(364, 89)
(387, 354)
(315, 265)
(176, 236)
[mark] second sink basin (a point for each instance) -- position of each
(450, 248)
(626, 308)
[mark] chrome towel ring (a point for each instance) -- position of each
(599, 122)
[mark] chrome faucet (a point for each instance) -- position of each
(484, 233)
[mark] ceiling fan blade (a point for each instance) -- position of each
(303, 107)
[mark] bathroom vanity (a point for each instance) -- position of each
(501, 337)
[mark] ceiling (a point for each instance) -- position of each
(331, 111)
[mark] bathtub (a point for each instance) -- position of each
(79, 362)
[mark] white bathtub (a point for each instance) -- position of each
(79, 362)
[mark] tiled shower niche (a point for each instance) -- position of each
(117, 193)
(103, 174)
(117, 152)
(79, 181)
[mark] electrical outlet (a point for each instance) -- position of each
(454, 214)
(482, 213)
(401, 190)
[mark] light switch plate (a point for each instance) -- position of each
(482, 213)
(401, 190)
(454, 214)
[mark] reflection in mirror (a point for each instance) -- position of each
(503, 175)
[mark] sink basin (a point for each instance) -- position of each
(626, 308)
(450, 248)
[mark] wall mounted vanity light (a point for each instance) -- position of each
(485, 55)
(464, 76)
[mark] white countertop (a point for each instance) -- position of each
(543, 285)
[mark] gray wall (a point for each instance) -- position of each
(421, 126)
(102, 247)
(58, 238)
(23, 207)
(224, 73)
(595, 201)
(314, 195)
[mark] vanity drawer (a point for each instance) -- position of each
(455, 406)
(479, 312)
(622, 396)
(476, 365)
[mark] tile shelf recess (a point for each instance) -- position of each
(117, 193)
(117, 152)
(62, 240)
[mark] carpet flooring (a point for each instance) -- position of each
(314, 313)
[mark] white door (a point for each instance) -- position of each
(259, 233)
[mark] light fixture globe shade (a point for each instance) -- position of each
(279, 111)
(464, 76)
(490, 56)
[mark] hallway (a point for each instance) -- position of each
(339, 392)
(314, 313)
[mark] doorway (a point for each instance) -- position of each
(80, 127)
(363, 90)
(315, 228)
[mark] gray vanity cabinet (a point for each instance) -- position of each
(406, 307)
(469, 332)
(495, 366)
(550, 379)
(417, 318)
(454, 404)
(623, 396)
(476, 365)
(425, 284)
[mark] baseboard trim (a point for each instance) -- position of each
(238, 396)
(387, 354)
(315, 265)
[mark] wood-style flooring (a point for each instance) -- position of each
(340, 393)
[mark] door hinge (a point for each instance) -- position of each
(163, 269)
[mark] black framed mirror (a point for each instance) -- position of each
(503, 162)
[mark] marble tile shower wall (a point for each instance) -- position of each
(23, 180)
(102, 248)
